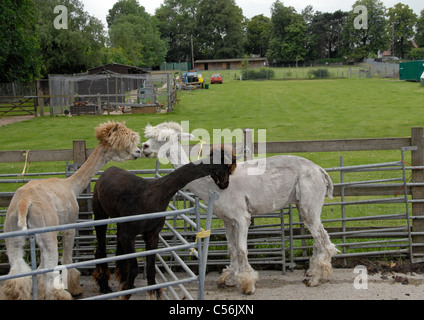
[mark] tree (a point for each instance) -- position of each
(257, 35)
(70, 50)
(288, 34)
(139, 39)
(219, 30)
(419, 36)
(18, 51)
(361, 41)
(400, 27)
(125, 7)
(177, 24)
(324, 34)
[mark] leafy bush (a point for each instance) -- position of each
(319, 74)
(255, 74)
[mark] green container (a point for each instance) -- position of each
(411, 71)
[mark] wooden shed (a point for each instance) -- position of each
(229, 64)
(117, 68)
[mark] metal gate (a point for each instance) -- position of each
(169, 248)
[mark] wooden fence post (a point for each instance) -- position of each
(417, 192)
(79, 151)
(40, 98)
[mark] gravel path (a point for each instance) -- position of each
(272, 285)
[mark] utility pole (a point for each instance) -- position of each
(192, 53)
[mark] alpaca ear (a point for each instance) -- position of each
(114, 129)
(186, 136)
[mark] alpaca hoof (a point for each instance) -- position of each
(124, 287)
(105, 290)
(226, 284)
(249, 292)
(155, 294)
(61, 295)
(311, 282)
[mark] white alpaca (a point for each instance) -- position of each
(285, 180)
(52, 202)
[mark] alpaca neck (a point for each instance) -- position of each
(80, 179)
(199, 187)
(177, 156)
(184, 175)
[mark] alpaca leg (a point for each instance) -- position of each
(324, 249)
(101, 274)
(152, 240)
(227, 278)
(128, 246)
(245, 276)
(18, 288)
(121, 269)
(72, 275)
(49, 289)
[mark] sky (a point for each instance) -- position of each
(99, 9)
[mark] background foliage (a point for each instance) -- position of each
(32, 47)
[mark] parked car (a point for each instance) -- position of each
(216, 78)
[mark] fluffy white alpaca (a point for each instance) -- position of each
(285, 180)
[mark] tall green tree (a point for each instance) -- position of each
(138, 38)
(219, 26)
(419, 36)
(73, 49)
(19, 46)
(177, 24)
(288, 35)
(257, 35)
(368, 39)
(400, 28)
(324, 34)
(125, 7)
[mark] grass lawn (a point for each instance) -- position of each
(288, 110)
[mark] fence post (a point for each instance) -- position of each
(417, 192)
(79, 151)
(40, 98)
(85, 205)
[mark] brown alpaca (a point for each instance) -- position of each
(119, 193)
(52, 202)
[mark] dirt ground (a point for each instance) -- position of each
(384, 282)
(5, 121)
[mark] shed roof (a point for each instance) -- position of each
(118, 68)
(230, 60)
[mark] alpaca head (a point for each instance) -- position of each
(225, 163)
(121, 143)
(163, 138)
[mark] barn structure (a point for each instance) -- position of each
(229, 64)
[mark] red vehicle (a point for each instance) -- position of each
(216, 78)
